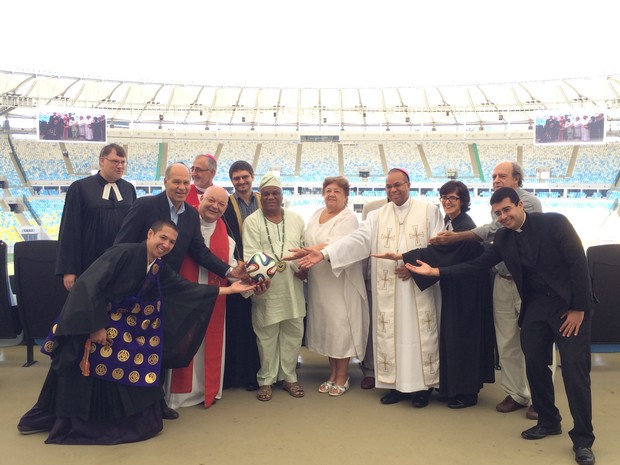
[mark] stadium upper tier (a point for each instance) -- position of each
(26, 162)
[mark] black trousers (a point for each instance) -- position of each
(540, 329)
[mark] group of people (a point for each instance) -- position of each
(69, 126)
(566, 128)
(416, 328)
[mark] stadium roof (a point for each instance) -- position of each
(194, 106)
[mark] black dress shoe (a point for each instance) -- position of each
(539, 432)
(420, 398)
(168, 413)
(251, 387)
(463, 401)
(584, 455)
(394, 397)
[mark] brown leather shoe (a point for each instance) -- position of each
(509, 405)
(368, 382)
(531, 413)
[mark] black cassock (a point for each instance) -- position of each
(242, 361)
(90, 223)
(466, 333)
(83, 410)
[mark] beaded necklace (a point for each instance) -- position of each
(281, 263)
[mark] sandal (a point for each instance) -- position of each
(326, 386)
(294, 389)
(264, 393)
(338, 390)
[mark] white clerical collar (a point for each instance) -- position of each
(519, 229)
(106, 192)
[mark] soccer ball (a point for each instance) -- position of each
(261, 266)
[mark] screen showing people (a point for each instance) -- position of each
(72, 125)
(583, 126)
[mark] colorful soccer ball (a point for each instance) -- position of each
(261, 266)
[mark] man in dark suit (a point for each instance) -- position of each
(546, 258)
(171, 205)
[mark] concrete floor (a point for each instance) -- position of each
(317, 429)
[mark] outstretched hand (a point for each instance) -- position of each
(300, 252)
(443, 238)
(238, 287)
(388, 256)
(423, 268)
(296, 254)
(311, 258)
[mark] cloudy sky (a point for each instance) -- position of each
(337, 43)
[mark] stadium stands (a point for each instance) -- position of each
(586, 190)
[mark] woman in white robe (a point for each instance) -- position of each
(338, 318)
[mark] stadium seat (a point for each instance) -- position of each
(10, 326)
(604, 266)
(40, 294)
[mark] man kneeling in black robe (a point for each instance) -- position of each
(127, 314)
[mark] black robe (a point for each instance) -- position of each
(466, 331)
(89, 223)
(242, 361)
(85, 410)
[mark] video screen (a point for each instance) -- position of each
(572, 127)
(71, 125)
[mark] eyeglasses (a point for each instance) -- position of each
(199, 170)
(451, 198)
(116, 162)
(396, 185)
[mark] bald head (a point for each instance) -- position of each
(507, 174)
(213, 204)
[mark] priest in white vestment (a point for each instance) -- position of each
(405, 319)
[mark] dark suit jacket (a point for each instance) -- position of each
(558, 254)
(148, 209)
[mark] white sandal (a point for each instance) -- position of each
(338, 390)
(326, 386)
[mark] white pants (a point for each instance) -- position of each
(278, 348)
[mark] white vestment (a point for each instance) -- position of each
(406, 355)
(197, 394)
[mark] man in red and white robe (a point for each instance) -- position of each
(201, 381)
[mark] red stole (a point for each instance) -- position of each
(214, 337)
(193, 198)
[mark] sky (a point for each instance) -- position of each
(328, 44)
